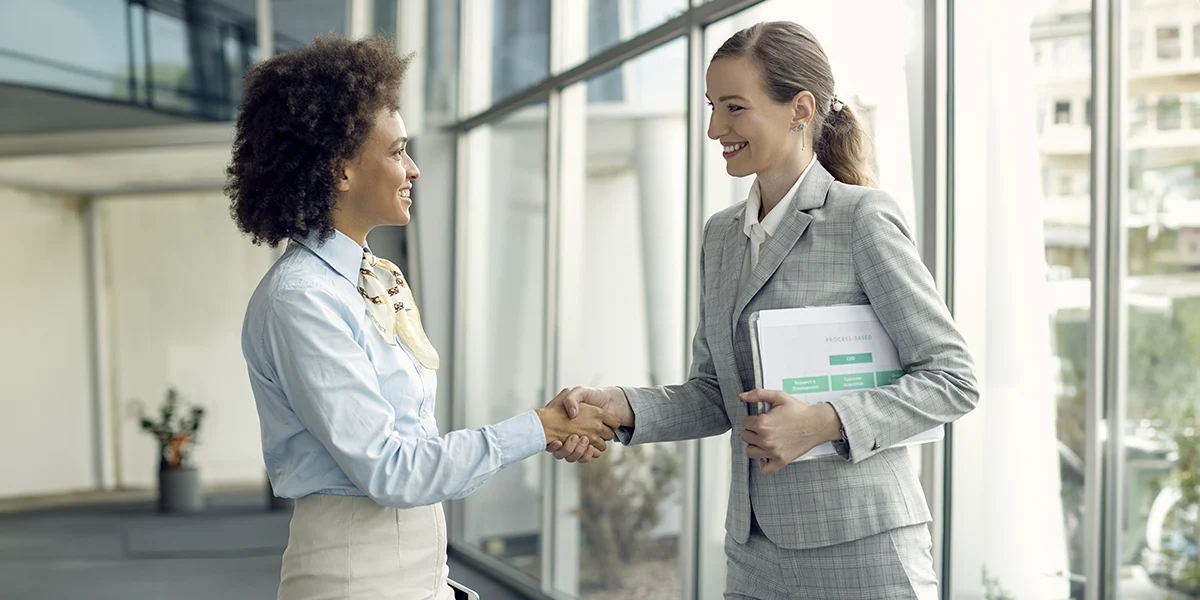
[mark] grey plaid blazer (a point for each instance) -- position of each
(839, 244)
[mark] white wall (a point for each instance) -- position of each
(46, 438)
(179, 277)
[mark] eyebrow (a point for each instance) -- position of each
(400, 140)
(731, 97)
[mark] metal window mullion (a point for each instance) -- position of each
(1102, 490)
(1116, 347)
(693, 516)
(935, 236)
(551, 329)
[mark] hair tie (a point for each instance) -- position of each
(836, 105)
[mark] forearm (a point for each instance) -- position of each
(404, 472)
(692, 410)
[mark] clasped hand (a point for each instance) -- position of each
(589, 426)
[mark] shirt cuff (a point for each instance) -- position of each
(520, 437)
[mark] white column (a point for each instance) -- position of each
(661, 148)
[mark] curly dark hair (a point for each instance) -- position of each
(303, 113)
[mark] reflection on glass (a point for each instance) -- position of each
(633, 252)
(297, 22)
(613, 21)
(503, 328)
(1160, 553)
(176, 58)
(521, 57)
(1022, 296)
(441, 58)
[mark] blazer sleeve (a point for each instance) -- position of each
(691, 410)
(939, 385)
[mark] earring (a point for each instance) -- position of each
(800, 127)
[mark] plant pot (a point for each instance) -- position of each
(179, 491)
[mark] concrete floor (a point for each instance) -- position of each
(125, 550)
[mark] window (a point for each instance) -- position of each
(503, 328)
(1170, 113)
(622, 321)
(1194, 101)
(1137, 47)
(1062, 112)
(1066, 184)
(1139, 116)
(1169, 44)
(521, 36)
(297, 22)
(1160, 307)
(1016, 529)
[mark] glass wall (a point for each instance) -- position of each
(183, 58)
(1021, 293)
(297, 22)
(982, 128)
(502, 357)
(521, 53)
(174, 60)
(621, 323)
(1160, 303)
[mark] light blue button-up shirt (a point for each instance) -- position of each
(344, 412)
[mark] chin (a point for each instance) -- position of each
(737, 171)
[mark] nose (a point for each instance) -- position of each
(716, 127)
(413, 171)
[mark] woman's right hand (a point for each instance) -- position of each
(592, 423)
(573, 400)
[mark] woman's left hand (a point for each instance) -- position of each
(788, 430)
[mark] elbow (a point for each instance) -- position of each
(964, 388)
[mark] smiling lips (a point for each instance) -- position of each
(732, 148)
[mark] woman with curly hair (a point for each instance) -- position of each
(343, 375)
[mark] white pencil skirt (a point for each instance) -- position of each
(350, 548)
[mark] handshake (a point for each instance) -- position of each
(580, 421)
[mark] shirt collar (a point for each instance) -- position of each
(754, 203)
(341, 253)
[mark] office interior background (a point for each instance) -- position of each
(1047, 153)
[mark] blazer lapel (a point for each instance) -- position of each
(810, 195)
(733, 259)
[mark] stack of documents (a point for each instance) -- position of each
(823, 353)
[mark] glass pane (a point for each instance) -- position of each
(1160, 203)
(613, 21)
(383, 16)
(441, 56)
(632, 258)
(76, 46)
(503, 354)
(1022, 297)
(297, 22)
(170, 71)
(521, 32)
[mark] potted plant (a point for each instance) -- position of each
(178, 480)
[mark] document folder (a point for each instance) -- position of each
(818, 354)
